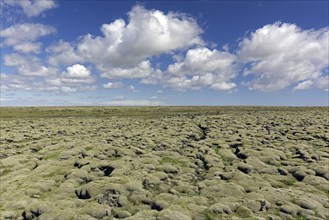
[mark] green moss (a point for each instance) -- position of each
(46, 195)
(89, 148)
(51, 156)
(299, 217)
(243, 211)
(4, 172)
(172, 161)
(227, 161)
(43, 144)
(289, 182)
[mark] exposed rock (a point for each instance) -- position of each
(123, 214)
(110, 197)
(299, 175)
(220, 208)
(245, 168)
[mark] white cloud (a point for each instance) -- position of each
(155, 77)
(53, 82)
(320, 83)
(77, 80)
(200, 61)
(143, 70)
(28, 47)
(223, 86)
(59, 47)
(24, 33)
(6, 99)
(77, 74)
(132, 88)
(304, 85)
(3, 76)
(28, 65)
(35, 70)
(112, 85)
(282, 54)
(134, 103)
(63, 53)
(32, 8)
(67, 89)
(126, 46)
(77, 71)
(202, 67)
(14, 59)
(15, 84)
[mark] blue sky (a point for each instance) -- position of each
(161, 53)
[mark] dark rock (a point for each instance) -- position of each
(107, 170)
(3, 156)
(235, 145)
(110, 197)
(159, 205)
(122, 214)
(160, 147)
(79, 164)
(242, 155)
(226, 176)
(322, 171)
(283, 171)
(244, 168)
(299, 175)
(82, 194)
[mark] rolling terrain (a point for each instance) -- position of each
(163, 163)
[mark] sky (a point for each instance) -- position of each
(116, 53)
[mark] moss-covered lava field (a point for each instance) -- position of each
(164, 163)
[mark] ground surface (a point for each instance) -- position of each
(162, 163)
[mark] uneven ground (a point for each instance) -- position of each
(163, 163)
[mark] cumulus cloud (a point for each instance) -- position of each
(203, 67)
(132, 88)
(67, 89)
(25, 32)
(16, 84)
(63, 53)
(321, 83)
(32, 8)
(125, 46)
(112, 85)
(28, 47)
(135, 103)
(304, 85)
(77, 71)
(76, 78)
(124, 49)
(27, 66)
(283, 54)
(54, 82)
(22, 37)
(77, 74)
(142, 70)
